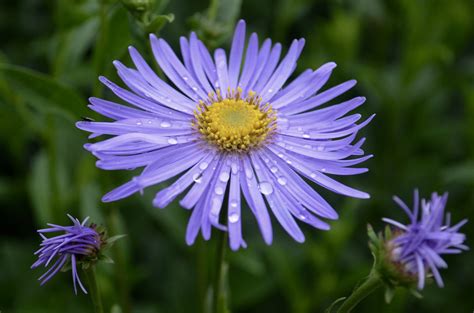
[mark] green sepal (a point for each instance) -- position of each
(389, 294)
(391, 272)
(106, 259)
(109, 242)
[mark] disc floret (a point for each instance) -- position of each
(234, 123)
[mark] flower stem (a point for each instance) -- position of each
(372, 283)
(94, 289)
(219, 296)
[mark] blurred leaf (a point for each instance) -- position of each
(460, 174)
(157, 22)
(217, 23)
(44, 92)
(72, 45)
(40, 189)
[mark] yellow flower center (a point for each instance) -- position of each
(234, 124)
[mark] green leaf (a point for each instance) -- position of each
(40, 189)
(44, 92)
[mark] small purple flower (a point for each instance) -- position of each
(231, 125)
(419, 245)
(79, 242)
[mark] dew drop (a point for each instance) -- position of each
(195, 88)
(234, 218)
(139, 123)
(323, 170)
(234, 167)
(197, 178)
(224, 177)
(219, 190)
(234, 203)
(248, 173)
(270, 90)
(282, 181)
(185, 78)
(305, 135)
(215, 206)
(273, 169)
(165, 124)
(265, 188)
(313, 175)
(172, 141)
(203, 165)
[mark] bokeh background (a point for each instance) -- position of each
(414, 61)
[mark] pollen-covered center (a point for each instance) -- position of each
(234, 124)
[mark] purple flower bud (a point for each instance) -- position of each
(76, 244)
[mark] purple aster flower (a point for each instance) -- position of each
(78, 243)
(419, 245)
(226, 126)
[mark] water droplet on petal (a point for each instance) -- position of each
(224, 177)
(249, 173)
(282, 181)
(185, 78)
(274, 169)
(305, 135)
(203, 165)
(172, 141)
(323, 170)
(234, 203)
(265, 188)
(215, 206)
(313, 175)
(234, 218)
(139, 123)
(270, 90)
(219, 190)
(234, 167)
(197, 178)
(165, 124)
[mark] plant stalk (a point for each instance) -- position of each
(372, 283)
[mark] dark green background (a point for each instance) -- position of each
(414, 61)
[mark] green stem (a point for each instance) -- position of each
(120, 260)
(219, 297)
(372, 283)
(94, 289)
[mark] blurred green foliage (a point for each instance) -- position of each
(414, 61)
